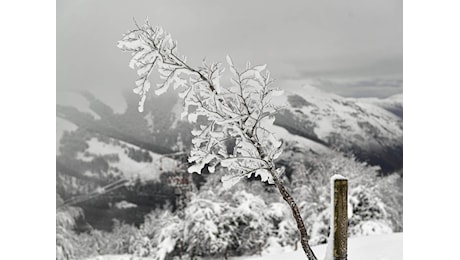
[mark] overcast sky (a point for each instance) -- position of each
(353, 48)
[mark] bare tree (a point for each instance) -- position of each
(240, 111)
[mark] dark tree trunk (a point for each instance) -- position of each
(298, 218)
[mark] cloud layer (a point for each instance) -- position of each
(328, 41)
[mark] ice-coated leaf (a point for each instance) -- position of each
(183, 114)
(229, 61)
(212, 168)
(138, 90)
(161, 90)
(196, 168)
(229, 180)
(264, 175)
(196, 132)
(277, 92)
(260, 68)
(217, 134)
(146, 87)
(277, 153)
(192, 117)
(141, 103)
(184, 93)
(226, 163)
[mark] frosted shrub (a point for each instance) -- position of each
(320, 226)
(371, 227)
(369, 214)
(168, 237)
(141, 246)
(118, 241)
(145, 241)
(216, 228)
(254, 226)
(66, 244)
(284, 228)
(391, 194)
(375, 202)
(287, 234)
(202, 234)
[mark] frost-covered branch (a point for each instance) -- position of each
(232, 111)
(240, 110)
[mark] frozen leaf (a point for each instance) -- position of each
(264, 175)
(161, 91)
(141, 103)
(229, 181)
(229, 61)
(192, 117)
(260, 68)
(277, 92)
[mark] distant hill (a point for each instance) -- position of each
(369, 128)
(98, 146)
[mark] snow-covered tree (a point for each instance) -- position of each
(253, 223)
(240, 112)
(285, 230)
(202, 234)
(65, 221)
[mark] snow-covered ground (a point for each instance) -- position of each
(377, 247)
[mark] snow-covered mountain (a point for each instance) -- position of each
(366, 128)
(98, 146)
(311, 119)
(102, 146)
(394, 103)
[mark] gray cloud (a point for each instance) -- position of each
(361, 87)
(330, 39)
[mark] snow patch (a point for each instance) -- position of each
(300, 141)
(124, 205)
(128, 167)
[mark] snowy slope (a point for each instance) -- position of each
(369, 131)
(394, 103)
(311, 118)
(125, 165)
(329, 113)
(298, 141)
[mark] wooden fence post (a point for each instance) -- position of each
(340, 219)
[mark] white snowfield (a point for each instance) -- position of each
(297, 140)
(376, 247)
(127, 166)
